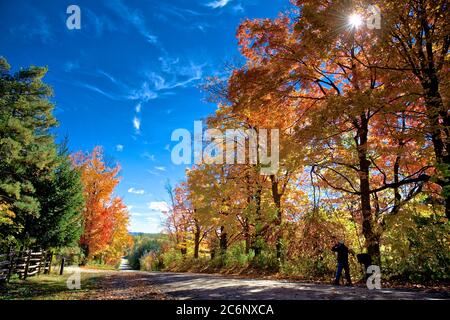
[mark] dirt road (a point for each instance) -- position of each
(206, 286)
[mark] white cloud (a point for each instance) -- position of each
(71, 65)
(238, 8)
(137, 123)
(109, 77)
(148, 156)
(133, 17)
(138, 107)
(154, 173)
(98, 90)
(146, 224)
(119, 148)
(100, 23)
(144, 93)
(161, 206)
(218, 4)
(160, 168)
(136, 191)
(38, 28)
(175, 74)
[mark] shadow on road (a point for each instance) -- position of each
(204, 286)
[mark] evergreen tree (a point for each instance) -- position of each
(39, 191)
(61, 201)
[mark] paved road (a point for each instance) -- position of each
(124, 265)
(205, 286)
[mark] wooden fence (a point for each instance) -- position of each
(25, 263)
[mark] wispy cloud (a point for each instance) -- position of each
(160, 168)
(174, 74)
(144, 93)
(218, 4)
(150, 222)
(238, 8)
(100, 91)
(133, 17)
(181, 13)
(110, 77)
(136, 191)
(153, 173)
(136, 214)
(69, 66)
(137, 123)
(161, 206)
(148, 156)
(98, 23)
(36, 28)
(119, 147)
(138, 107)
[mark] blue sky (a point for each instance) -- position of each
(129, 77)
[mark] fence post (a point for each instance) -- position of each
(12, 256)
(62, 267)
(28, 252)
(43, 253)
(49, 262)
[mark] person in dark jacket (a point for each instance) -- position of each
(342, 262)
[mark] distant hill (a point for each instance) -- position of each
(149, 235)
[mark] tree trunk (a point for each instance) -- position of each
(256, 245)
(440, 134)
(183, 248)
(372, 239)
(247, 237)
(279, 219)
(223, 241)
(196, 239)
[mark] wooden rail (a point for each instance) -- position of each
(25, 263)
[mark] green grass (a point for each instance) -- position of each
(46, 287)
(100, 266)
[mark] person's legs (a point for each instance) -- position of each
(338, 274)
(347, 274)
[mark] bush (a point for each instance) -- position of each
(143, 245)
(72, 255)
(151, 261)
(172, 259)
(416, 246)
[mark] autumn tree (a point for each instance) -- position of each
(105, 217)
(337, 97)
(419, 32)
(120, 239)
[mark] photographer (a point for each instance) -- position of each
(342, 262)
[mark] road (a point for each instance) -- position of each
(206, 286)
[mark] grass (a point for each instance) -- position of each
(46, 287)
(99, 266)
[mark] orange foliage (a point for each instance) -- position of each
(105, 218)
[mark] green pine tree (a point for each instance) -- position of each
(39, 191)
(61, 201)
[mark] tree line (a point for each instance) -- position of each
(49, 197)
(364, 141)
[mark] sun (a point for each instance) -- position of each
(355, 20)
